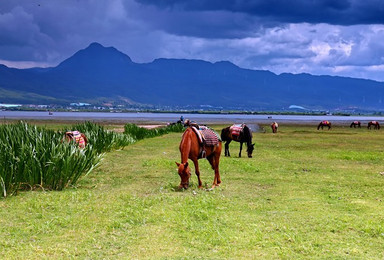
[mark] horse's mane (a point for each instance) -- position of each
(247, 134)
(183, 137)
(185, 145)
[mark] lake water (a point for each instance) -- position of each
(173, 117)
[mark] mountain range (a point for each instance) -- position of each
(99, 74)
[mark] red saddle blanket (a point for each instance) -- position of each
(77, 138)
(236, 129)
(207, 136)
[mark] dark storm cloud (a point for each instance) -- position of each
(337, 37)
(206, 24)
(337, 12)
(50, 31)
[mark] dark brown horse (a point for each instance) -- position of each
(375, 124)
(242, 136)
(324, 123)
(355, 123)
(190, 148)
(274, 127)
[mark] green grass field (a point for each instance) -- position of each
(304, 194)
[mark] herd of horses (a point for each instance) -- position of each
(354, 124)
(199, 142)
(193, 147)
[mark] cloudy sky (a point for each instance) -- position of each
(333, 37)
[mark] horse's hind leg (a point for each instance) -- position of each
(214, 161)
(197, 171)
(241, 147)
(227, 148)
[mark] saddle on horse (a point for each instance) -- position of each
(77, 137)
(236, 131)
(206, 137)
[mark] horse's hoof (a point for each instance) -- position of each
(214, 186)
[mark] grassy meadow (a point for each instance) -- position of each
(304, 194)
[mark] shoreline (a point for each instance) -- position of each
(165, 118)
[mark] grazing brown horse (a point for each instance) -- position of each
(77, 137)
(375, 124)
(191, 148)
(324, 123)
(274, 127)
(238, 133)
(355, 123)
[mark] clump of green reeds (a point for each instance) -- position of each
(103, 140)
(139, 133)
(36, 157)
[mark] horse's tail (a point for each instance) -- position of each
(224, 134)
(85, 138)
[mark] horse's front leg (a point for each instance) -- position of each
(241, 147)
(197, 171)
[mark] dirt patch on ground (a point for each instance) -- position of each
(120, 129)
(150, 126)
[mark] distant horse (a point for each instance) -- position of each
(176, 123)
(324, 123)
(274, 127)
(238, 133)
(77, 137)
(375, 124)
(191, 148)
(355, 123)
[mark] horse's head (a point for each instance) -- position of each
(68, 136)
(250, 149)
(184, 173)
